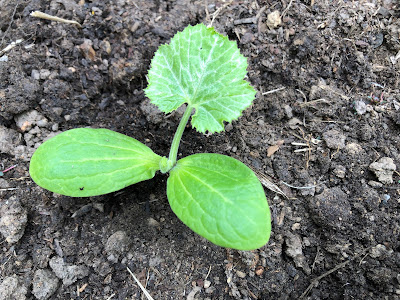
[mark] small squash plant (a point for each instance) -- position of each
(217, 196)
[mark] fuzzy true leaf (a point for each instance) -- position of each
(204, 69)
(221, 199)
(88, 162)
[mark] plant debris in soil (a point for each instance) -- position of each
(323, 132)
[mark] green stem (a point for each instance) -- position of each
(173, 153)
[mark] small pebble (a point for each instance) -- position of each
(207, 284)
(240, 274)
(384, 169)
(288, 111)
(340, 171)
(35, 74)
(375, 184)
(306, 242)
(259, 270)
(228, 127)
(82, 211)
(44, 73)
(117, 243)
(42, 123)
(378, 251)
(295, 226)
(360, 107)
(99, 206)
(152, 222)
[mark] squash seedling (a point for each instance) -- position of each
(217, 196)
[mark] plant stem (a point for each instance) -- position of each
(173, 153)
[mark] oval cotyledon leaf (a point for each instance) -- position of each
(204, 69)
(89, 162)
(221, 199)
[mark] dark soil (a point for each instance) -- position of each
(328, 84)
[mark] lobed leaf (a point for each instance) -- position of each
(204, 69)
(88, 162)
(221, 199)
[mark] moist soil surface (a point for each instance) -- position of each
(322, 135)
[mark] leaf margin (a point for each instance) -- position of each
(182, 209)
(46, 165)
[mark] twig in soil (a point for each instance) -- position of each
(206, 10)
(259, 19)
(192, 294)
(337, 151)
(273, 91)
(10, 46)
(208, 273)
(39, 14)
(252, 20)
(20, 178)
(396, 172)
(302, 150)
(377, 84)
(316, 280)
(394, 59)
(328, 88)
(149, 201)
(244, 21)
(112, 296)
(9, 24)
(314, 101)
(79, 290)
(328, 121)
(147, 281)
(304, 95)
(146, 293)
(3, 264)
(267, 183)
(300, 187)
(309, 148)
(8, 189)
(390, 187)
(286, 9)
(216, 13)
(315, 260)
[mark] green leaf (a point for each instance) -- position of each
(204, 69)
(221, 199)
(88, 162)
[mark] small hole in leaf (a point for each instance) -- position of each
(81, 188)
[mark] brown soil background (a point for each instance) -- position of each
(327, 77)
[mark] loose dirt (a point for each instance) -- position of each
(327, 76)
